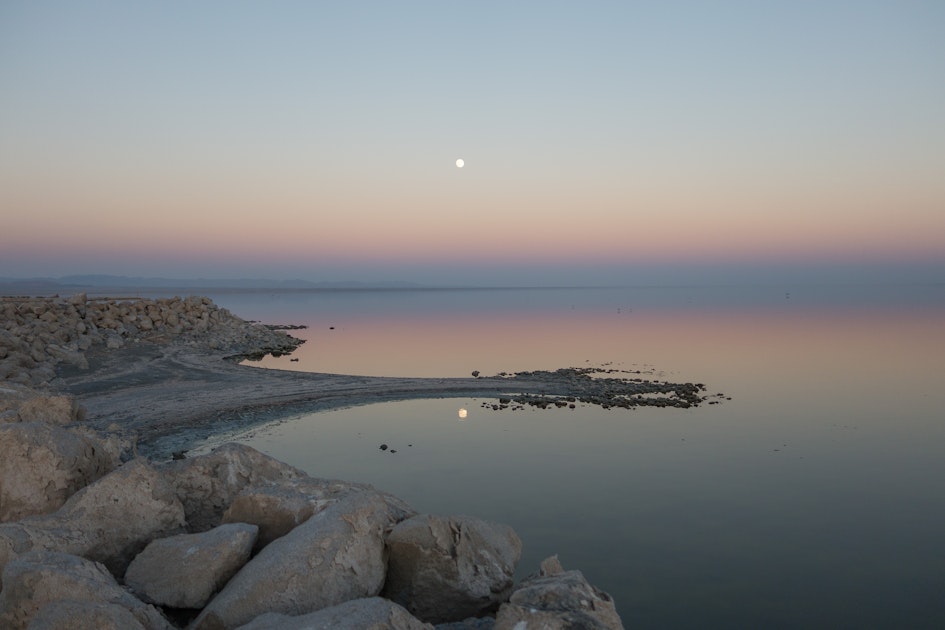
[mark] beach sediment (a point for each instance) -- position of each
(167, 371)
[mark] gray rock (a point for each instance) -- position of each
(335, 556)
(558, 599)
(42, 465)
(445, 569)
(375, 613)
(37, 579)
(184, 571)
(76, 615)
(108, 521)
(279, 507)
(470, 623)
(207, 484)
(50, 409)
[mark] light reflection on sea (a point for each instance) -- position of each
(815, 497)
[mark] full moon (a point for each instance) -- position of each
(459, 163)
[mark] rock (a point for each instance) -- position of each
(375, 613)
(72, 357)
(38, 333)
(207, 484)
(274, 509)
(108, 521)
(84, 615)
(470, 623)
(59, 410)
(279, 507)
(445, 569)
(335, 556)
(42, 465)
(37, 579)
(557, 599)
(184, 571)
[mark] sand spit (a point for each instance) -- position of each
(166, 371)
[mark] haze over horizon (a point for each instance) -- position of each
(603, 143)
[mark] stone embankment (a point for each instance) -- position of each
(38, 335)
(92, 536)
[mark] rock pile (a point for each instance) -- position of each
(39, 334)
(236, 539)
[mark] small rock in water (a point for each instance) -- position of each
(383, 447)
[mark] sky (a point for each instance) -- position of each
(604, 142)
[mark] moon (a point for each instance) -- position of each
(460, 163)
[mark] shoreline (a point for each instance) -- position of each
(165, 372)
(172, 397)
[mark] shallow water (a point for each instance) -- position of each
(814, 497)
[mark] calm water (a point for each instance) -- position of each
(814, 498)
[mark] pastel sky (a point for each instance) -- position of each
(604, 142)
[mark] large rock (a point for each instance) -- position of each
(77, 615)
(19, 403)
(184, 571)
(470, 623)
(42, 465)
(37, 579)
(50, 409)
(375, 613)
(558, 600)
(207, 484)
(279, 507)
(108, 521)
(335, 556)
(448, 568)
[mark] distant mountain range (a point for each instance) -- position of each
(74, 282)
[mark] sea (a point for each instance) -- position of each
(811, 494)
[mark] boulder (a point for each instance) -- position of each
(78, 615)
(207, 484)
(336, 555)
(558, 600)
(184, 571)
(470, 623)
(370, 612)
(42, 465)
(108, 521)
(50, 409)
(277, 508)
(445, 569)
(37, 579)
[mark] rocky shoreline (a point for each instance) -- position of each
(166, 372)
(98, 529)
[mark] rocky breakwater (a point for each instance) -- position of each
(40, 335)
(92, 536)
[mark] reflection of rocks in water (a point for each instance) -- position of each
(569, 386)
